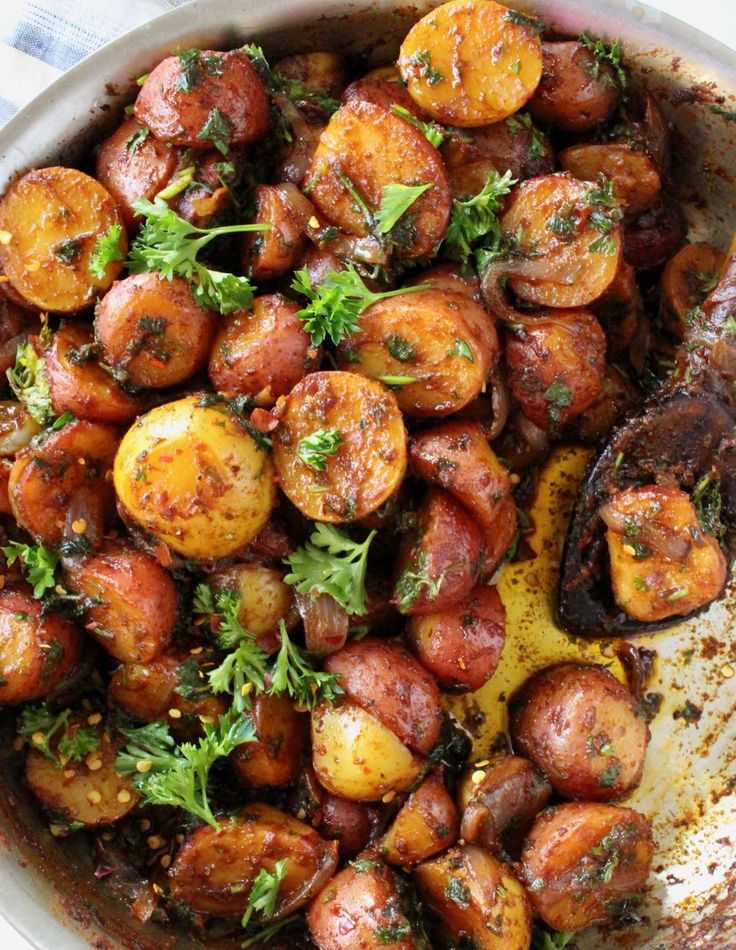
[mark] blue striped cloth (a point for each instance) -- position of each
(39, 39)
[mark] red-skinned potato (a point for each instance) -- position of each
(449, 277)
(426, 824)
(618, 397)
(133, 603)
(655, 236)
(472, 895)
(583, 862)
(5, 468)
(439, 559)
(321, 72)
(219, 100)
(37, 652)
(360, 909)
(207, 199)
(386, 680)
(17, 429)
(583, 728)
(620, 309)
(461, 646)
(214, 871)
(281, 746)
(382, 92)
(261, 352)
(269, 254)
(349, 823)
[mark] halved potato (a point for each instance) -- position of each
(635, 178)
(687, 279)
(426, 824)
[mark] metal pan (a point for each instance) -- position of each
(687, 789)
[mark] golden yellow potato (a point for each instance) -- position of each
(470, 62)
(426, 824)
(687, 279)
(191, 475)
(356, 756)
(264, 597)
(636, 181)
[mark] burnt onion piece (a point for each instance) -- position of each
(686, 431)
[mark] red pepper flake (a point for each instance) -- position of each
(263, 420)
(166, 458)
(163, 555)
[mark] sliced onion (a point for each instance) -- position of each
(659, 538)
(301, 205)
(500, 402)
(85, 518)
(537, 439)
(17, 428)
(497, 301)
(325, 623)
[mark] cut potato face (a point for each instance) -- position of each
(687, 279)
(636, 181)
(54, 217)
(471, 62)
(370, 460)
(193, 477)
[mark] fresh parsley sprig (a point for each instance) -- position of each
(169, 245)
(314, 449)
(332, 563)
(476, 219)
(38, 562)
(38, 725)
(278, 84)
(30, 384)
(606, 56)
(434, 133)
(292, 674)
(544, 939)
(264, 892)
(396, 201)
(336, 304)
(108, 248)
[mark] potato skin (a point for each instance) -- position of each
(514, 145)
(653, 237)
(582, 860)
(179, 117)
(461, 645)
(269, 254)
(214, 871)
(152, 331)
(277, 756)
(44, 211)
(373, 148)
(369, 464)
(475, 896)
(386, 680)
(84, 388)
(349, 823)
(583, 728)
(138, 611)
(467, 63)
(193, 477)
(36, 652)
(356, 757)
(262, 352)
(45, 477)
(635, 178)
(382, 92)
(556, 366)
(426, 824)
(440, 559)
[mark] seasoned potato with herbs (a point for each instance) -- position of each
(87, 791)
(461, 645)
(471, 62)
(38, 650)
(386, 680)
(356, 757)
(349, 823)
(576, 92)
(282, 744)
(132, 601)
(655, 235)
(440, 558)
(664, 562)
(620, 309)
(214, 871)
(262, 352)
(634, 175)
(687, 279)
(265, 599)
(556, 365)
(584, 863)
(54, 217)
(426, 824)
(203, 182)
(202, 98)
(133, 164)
(361, 909)
(316, 76)
(193, 477)
(78, 384)
(152, 332)
(364, 148)
(269, 254)
(387, 93)
(435, 348)
(475, 899)
(584, 729)
(46, 476)
(340, 447)
(17, 428)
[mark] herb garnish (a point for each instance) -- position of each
(108, 248)
(29, 383)
(314, 449)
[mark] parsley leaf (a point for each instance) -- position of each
(544, 939)
(336, 304)
(29, 382)
(169, 245)
(476, 218)
(38, 725)
(218, 130)
(313, 449)
(706, 499)
(38, 562)
(264, 892)
(108, 248)
(293, 675)
(522, 19)
(137, 139)
(558, 397)
(606, 56)
(396, 201)
(422, 59)
(332, 563)
(411, 582)
(434, 133)
(728, 114)
(266, 933)
(522, 122)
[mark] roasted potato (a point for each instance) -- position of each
(619, 310)
(434, 347)
(426, 824)
(271, 253)
(281, 747)
(451, 277)
(207, 199)
(152, 332)
(475, 899)
(386, 680)
(370, 458)
(635, 178)
(461, 645)
(687, 279)
(470, 62)
(349, 823)
(262, 352)
(17, 428)
(191, 475)
(38, 650)
(204, 99)
(583, 728)
(213, 873)
(655, 235)
(265, 599)
(356, 757)
(583, 862)
(321, 73)
(556, 366)
(440, 558)
(618, 397)
(54, 217)
(386, 93)
(664, 563)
